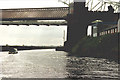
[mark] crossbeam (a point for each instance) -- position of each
(33, 23)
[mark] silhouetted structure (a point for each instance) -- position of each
(81, 18)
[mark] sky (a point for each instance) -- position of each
(31, 35)
(5, 4)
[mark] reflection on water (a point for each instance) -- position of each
(55, 64)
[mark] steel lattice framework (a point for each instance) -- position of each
(55, 13)
(101, 5)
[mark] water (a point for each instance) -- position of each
(55, 64)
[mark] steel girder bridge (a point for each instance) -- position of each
(30, 16)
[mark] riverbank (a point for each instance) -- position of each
(6, 48)
(106, 46)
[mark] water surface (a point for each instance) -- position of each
(55, 64)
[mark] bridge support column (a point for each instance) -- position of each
(77, 25)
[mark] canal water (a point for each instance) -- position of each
(55, 64)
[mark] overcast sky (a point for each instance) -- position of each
(29, 3)
(34, 3)
(32, 35)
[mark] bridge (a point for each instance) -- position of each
(77, 21)
(53, 13)
(81, 17)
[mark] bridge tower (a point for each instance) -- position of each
(79, 20)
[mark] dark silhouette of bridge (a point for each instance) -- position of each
(79, 21)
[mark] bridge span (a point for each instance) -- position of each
(53, 13)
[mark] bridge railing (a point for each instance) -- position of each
(103, 28)
(109, 31)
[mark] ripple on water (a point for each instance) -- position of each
(86, 67)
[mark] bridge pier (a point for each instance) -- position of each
(77, 27)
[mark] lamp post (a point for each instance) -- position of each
(69, 6)
(118, 37)
(118, 22)
(119, 18)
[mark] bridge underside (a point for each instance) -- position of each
(34, 18)
(33, 22)
(55, 13)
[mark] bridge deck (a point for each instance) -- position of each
(55, 13)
